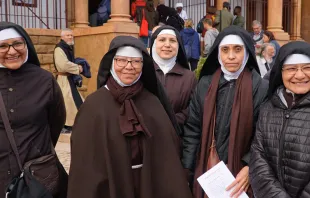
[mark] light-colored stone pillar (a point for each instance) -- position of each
(120, 11)
(275, 15)
(219, 4)
(81, 13)
(296, 20)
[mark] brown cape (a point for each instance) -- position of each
(101, 161)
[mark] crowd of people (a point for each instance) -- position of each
(153, 126)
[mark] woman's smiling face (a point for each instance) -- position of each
(13, 53)
(167, 46)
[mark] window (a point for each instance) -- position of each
(27, 3)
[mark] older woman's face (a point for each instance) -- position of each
(232, 57)
(167, 46)
(128, 69)
(13, 53)
(296, 78)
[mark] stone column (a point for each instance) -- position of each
(275, 14)
(81, 13)
(296, 20)
(120, 11)
(219, 4)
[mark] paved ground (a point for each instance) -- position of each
(63, 152)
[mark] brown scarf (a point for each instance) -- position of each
(131, 121)
(241, 126)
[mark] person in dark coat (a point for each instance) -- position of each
(280, 155)
(191, 42)
(226, 102)
(132, 131)
(163, 12)
(172, 70)
(33, 100)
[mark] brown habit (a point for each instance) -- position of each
(101, 154)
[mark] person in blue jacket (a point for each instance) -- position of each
(191, 43)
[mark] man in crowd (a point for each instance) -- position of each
(239, 19)
(163, 12)
(65, 66)
(265, 58)
(181, 12)
(210, 36)
(257, 35)
(223, 18)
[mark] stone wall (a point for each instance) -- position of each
(90, 43)
(44, 42)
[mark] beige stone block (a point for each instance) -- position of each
(40, 56)
(35, 39)
(44, 49)
(47, 59)
(47, 40)
(46, 67)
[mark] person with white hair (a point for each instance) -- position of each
(265, 58)
(224, 110)
(65, 66)
(181, 12)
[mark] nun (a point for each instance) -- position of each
(33, 100)
(224, 110)
(280, 161)
(130, 148)
(172, 70)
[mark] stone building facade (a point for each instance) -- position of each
(92, 43)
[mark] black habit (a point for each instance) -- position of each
(35, 108)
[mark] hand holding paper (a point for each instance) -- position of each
(241, 182)
(215, 181)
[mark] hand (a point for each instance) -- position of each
(80, 68)
(241, 183)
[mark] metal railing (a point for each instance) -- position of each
(48, 14)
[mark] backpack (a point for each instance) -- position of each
(200, 27)
(188, 48)
(104, 11)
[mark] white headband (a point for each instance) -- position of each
(178, 5)
(9, 33)
(167, 31)
(129, 51)
(232, 40)
(296, 59)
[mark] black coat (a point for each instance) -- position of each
(280, 160)
(35, 108)
(280, 154)
(225, 98)
(225, 95)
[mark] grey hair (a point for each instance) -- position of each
(256, 22)
(65, 30)
(265, 45)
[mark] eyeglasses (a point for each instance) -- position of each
(293, 70)
(18, 45)
(124, 62)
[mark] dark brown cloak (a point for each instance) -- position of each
(101, 161)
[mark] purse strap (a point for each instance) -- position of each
(9, 131)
